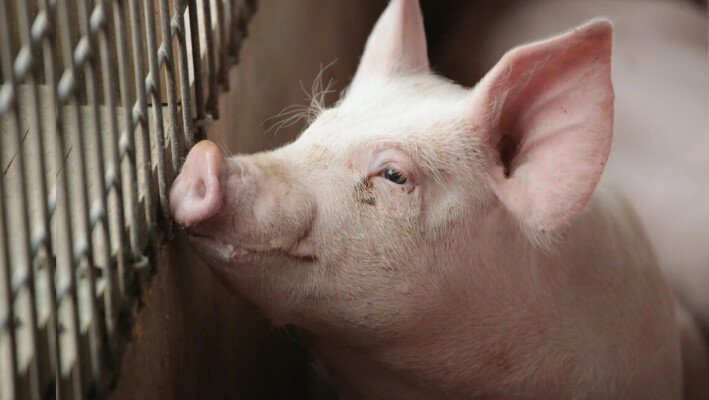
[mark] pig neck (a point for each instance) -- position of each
(503, 315)
(467, 328)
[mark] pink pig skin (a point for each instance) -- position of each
(660, 154)
(437, 242)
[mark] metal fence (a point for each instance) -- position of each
(88, 148)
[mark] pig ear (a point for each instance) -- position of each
(546, 112)
(397, 43)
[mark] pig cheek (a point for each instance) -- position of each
(398, 202)
(392, 223)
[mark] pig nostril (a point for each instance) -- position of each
(309, 259)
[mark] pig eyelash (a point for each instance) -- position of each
(394, 175)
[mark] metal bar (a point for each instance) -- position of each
(224, 61)
(238, 28)
(169, 58)
(113, 177)
(6, 270)
(42, 241)
(197, 68)
(97, 215)
(140, 112)
(185, 93)
(22, 231)
(66, 281)
(153, 88)
(211, 105)
(127, 152)
(63, 247)
(83, 251)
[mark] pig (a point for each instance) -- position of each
(433, 241)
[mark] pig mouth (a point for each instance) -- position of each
(232, 252)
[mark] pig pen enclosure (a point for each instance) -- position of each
(100, 100)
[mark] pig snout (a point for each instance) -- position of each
(196, 194)
(243, 203)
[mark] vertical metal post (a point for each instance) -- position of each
(140, 112)
(41, 238)
(127, 153)
(152, 84)
(7, 321)
(197, 68)
(167, 55)
(23, 274)
(83, 250)
(113, 177)
(223, 29)
(87, 53)
(211, 70)
(65, 289)
(185, 94)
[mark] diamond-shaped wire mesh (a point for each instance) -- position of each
(98, 106)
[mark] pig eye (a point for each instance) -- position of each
(395, 176)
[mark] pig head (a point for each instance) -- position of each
(432, 240)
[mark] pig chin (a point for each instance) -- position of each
(233, 253)
(219, 246)
(215, 250)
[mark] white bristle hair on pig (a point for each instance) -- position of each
(436, 242)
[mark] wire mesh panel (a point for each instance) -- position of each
(99, 102)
